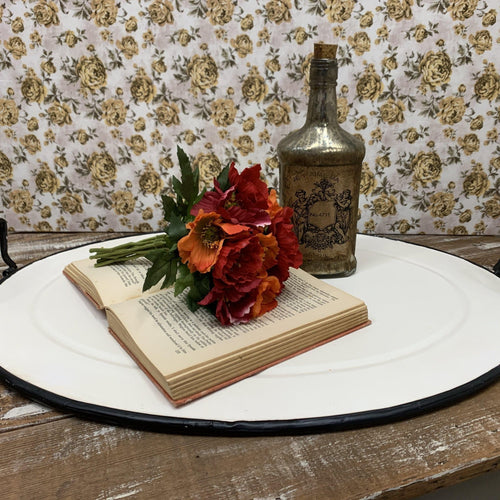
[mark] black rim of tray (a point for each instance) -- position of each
(177, 425)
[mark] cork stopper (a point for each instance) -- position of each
(325, 51)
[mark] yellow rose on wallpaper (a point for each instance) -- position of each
(243, 45)
(244, 144)
(161, 12)
(32, 88)
(103, 12)
(451, 110)
(71, 203)
(92, 74)
(31, 143)
(21, 201)
(476, 182)
(278, 113)
(209, 166)
(278, 11)
(462, 9)
(16, 47)
(368, 181)
(114, 112)
(426, 167)
(137, 144)
(102, 168)
(6, 170)
(17, 25)
(254, 86)
(9, 114)
(399, 9)
(385, 205)
(492, 207)
(60, 114)
(338, 11)
(469, 143)
(167, 113)
(392, 111)
(487, 86)
(150, 181)
(46, 13)
(481, 41)
(489, 18)
(360, 42)
(435, 68)
(128, 46)
(369, 85)
(220, 11)
(203, 72)
(123, 202)
(441, 204)
(223, 112)
(142, 87)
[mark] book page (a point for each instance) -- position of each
(115, 283)
(174, 338)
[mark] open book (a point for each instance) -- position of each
(189, 355)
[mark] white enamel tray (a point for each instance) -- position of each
(434, 338)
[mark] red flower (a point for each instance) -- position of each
(245, 202)
(233, 305)
(289, 254)
(240, 260)
(247, 243)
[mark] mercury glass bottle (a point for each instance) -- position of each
(320, 171)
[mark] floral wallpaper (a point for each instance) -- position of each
(95, 95)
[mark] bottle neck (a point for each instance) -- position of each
(322, 106)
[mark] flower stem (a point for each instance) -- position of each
(128, 251)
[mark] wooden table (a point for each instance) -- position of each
(48, 454)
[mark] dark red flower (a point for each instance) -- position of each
(240, 260)
(233, 305)
(245, 202)
(289, 254)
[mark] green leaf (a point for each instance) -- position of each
(171, 274)
(198, 291)
(200, 288)
(192, 303)
(189, 185)
(178, 188)
(177, 228)
(223, 178)
(185, 279)
(159, 269)
(169, 206)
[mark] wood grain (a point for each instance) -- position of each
(48, 454)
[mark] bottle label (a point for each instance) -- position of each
(325, 203)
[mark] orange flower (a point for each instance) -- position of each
(269, 289)
(201, 247)
(271, 249)
(273, 206)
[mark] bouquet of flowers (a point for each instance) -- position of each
(231, 246)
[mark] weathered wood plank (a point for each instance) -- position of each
(17, 412)
(392, 461)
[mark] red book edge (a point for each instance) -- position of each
(188, 399)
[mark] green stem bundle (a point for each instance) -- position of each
(128, 251)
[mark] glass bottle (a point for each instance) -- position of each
(320, 171)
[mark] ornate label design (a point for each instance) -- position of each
(322, 216)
